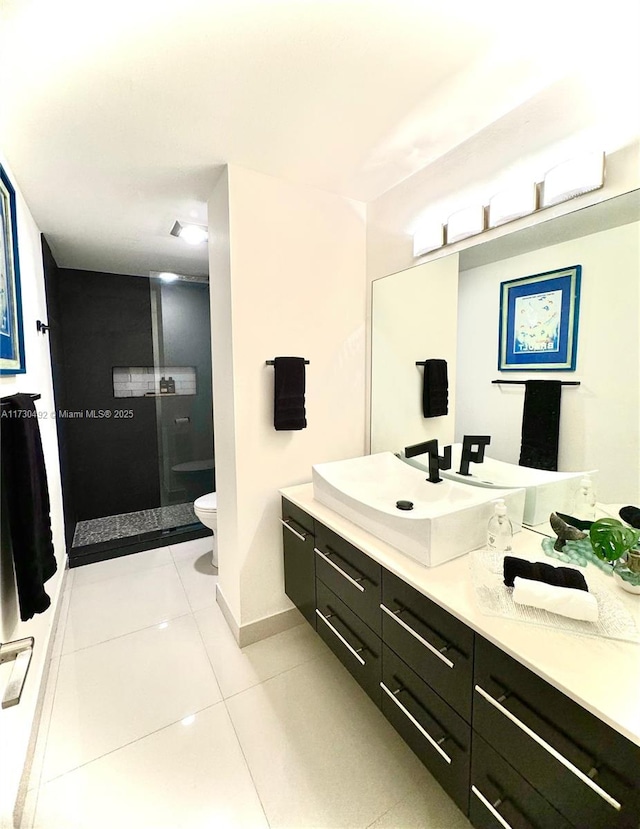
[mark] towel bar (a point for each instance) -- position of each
(5, 400)
(19, 652)
(272, 363)
(522, 382)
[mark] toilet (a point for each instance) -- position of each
(206, 508)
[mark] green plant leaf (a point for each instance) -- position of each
(610, 539)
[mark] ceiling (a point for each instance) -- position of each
(117, 116)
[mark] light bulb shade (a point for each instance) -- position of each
(192, 234)
(428, 237)
(573, 178)
(463, 223)
(512, 203)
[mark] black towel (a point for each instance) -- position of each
(289, 384)
(541, 424)
(539, 571)
(631, 515)
(25, 498)
(435, 389)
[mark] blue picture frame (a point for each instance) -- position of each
(12, 359)
(539, 321)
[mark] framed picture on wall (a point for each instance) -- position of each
(11, 336)
(539, 321)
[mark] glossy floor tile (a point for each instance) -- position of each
(115, 692)
(122, 604)
(191, 549)
(154, 718)
(238, 669)
(320, 753)
(190, 775)
(199, 578)
(114, 567)
(426, 807)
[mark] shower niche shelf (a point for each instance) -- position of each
(154, 381)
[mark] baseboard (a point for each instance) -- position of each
(261, 628)
(230, 619)
(42, 688)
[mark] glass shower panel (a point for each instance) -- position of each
(182, 390)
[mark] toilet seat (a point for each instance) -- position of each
(207, 503)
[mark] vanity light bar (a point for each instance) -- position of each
(512, 203)
(427, 238)
(573, 178)
(465, 223)
(565, 181)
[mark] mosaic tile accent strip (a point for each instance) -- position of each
(99, 530)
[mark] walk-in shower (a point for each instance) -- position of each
(133, 384)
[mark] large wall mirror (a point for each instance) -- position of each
(449, 308)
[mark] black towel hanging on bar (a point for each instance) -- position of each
(26, 521)
(541, 424)
(288, 400)
(435, 388)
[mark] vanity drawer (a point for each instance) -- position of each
(353, 642)
(583, 767)
(435, 644)
(351, 574)
(440, 738)
(299, 560)
(297, 518)
(500, 797)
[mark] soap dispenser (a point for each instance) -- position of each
(585, 504)
(500, 530)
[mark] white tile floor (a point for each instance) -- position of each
(155, 719)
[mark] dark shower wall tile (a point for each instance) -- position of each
(105, 321)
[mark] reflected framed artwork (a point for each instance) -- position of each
(539, 321)
(11, 334)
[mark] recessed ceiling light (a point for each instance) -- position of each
(190, 233)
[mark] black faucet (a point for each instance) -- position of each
(436, 462)
(471, 454)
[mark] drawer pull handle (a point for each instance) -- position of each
(491, 807)
(415, 722)
(301, 536)
(550, 749)
(354, 582)
(417, 636)
(351, 650)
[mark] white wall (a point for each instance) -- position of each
(291, 284)
(16, 722)
(600, 420)
(421, 302)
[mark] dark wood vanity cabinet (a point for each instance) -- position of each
(581, 766)
(351, 640)
(439, 736)
(350, 574)
(299, 566)
(436, 645)
(500, 796)
(510, 749)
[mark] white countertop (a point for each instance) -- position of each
(602, 675)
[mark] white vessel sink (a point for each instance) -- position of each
(447, 520)
(546, 492)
